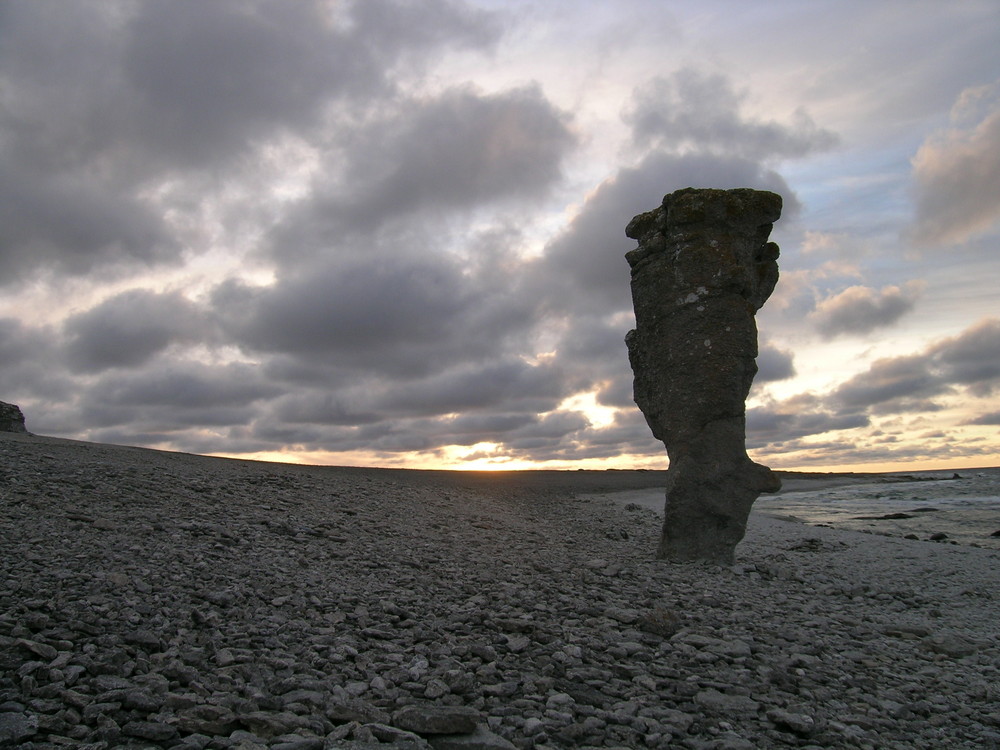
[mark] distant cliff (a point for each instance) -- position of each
(11, 418)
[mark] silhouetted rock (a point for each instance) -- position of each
(702, 270)
(11, 418)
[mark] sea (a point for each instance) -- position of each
(963, 505)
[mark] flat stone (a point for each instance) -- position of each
(394, 735)
(16, 727)
(141, 700)
(149, 730)
(437, 719)
(43, 650)
(949, 644)
(722, 703)
(299, 743)
(481, 739)
(798, 723)
(269, 724)
(356, 710)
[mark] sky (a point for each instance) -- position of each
(391, 232)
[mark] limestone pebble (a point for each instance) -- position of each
(230, 604)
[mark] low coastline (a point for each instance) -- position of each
(156, 599)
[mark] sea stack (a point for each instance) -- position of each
(703, 268)
(11, 418)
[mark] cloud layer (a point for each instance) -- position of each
(345, 230)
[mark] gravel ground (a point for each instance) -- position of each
(152, 599)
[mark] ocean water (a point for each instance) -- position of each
(966, 509)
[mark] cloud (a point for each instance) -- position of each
(773, 363)
(957, 172)
(910, 383)
(117, 117)
(861, 309)
(920, 383)
(510, 384)
(694, 110)
(457, 151)
(233, 71)
(778, 423)
(30, 363)
(901, 381)
(129, 329)
(184, 387)
(384, 314)
(971, 359)
(64, 223)
(989, 418)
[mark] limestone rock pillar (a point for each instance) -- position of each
(703, 268)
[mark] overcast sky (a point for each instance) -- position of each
(391, 232)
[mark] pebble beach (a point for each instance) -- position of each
(163, 600)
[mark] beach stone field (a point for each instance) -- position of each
(164, 600)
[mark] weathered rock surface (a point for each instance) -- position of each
(157, 600)
(11, 418)
(702, 270)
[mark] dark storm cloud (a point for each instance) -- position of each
(861, 309)
(458, 150)
(972, 358)
(505, 384)
(776, 423)
(129, 329)
(233, 70)
(29, 362)
(171, 404)
(17, 341)
(910, 383)
(103, 101)
(894, 380)
(67, 224)
(773, 364)
(186, 405)
(184, 385)
(422, 162)
(385, 315)
(990, 418)
(322, 407)
(692, 109)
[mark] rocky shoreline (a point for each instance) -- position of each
(155, 599)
